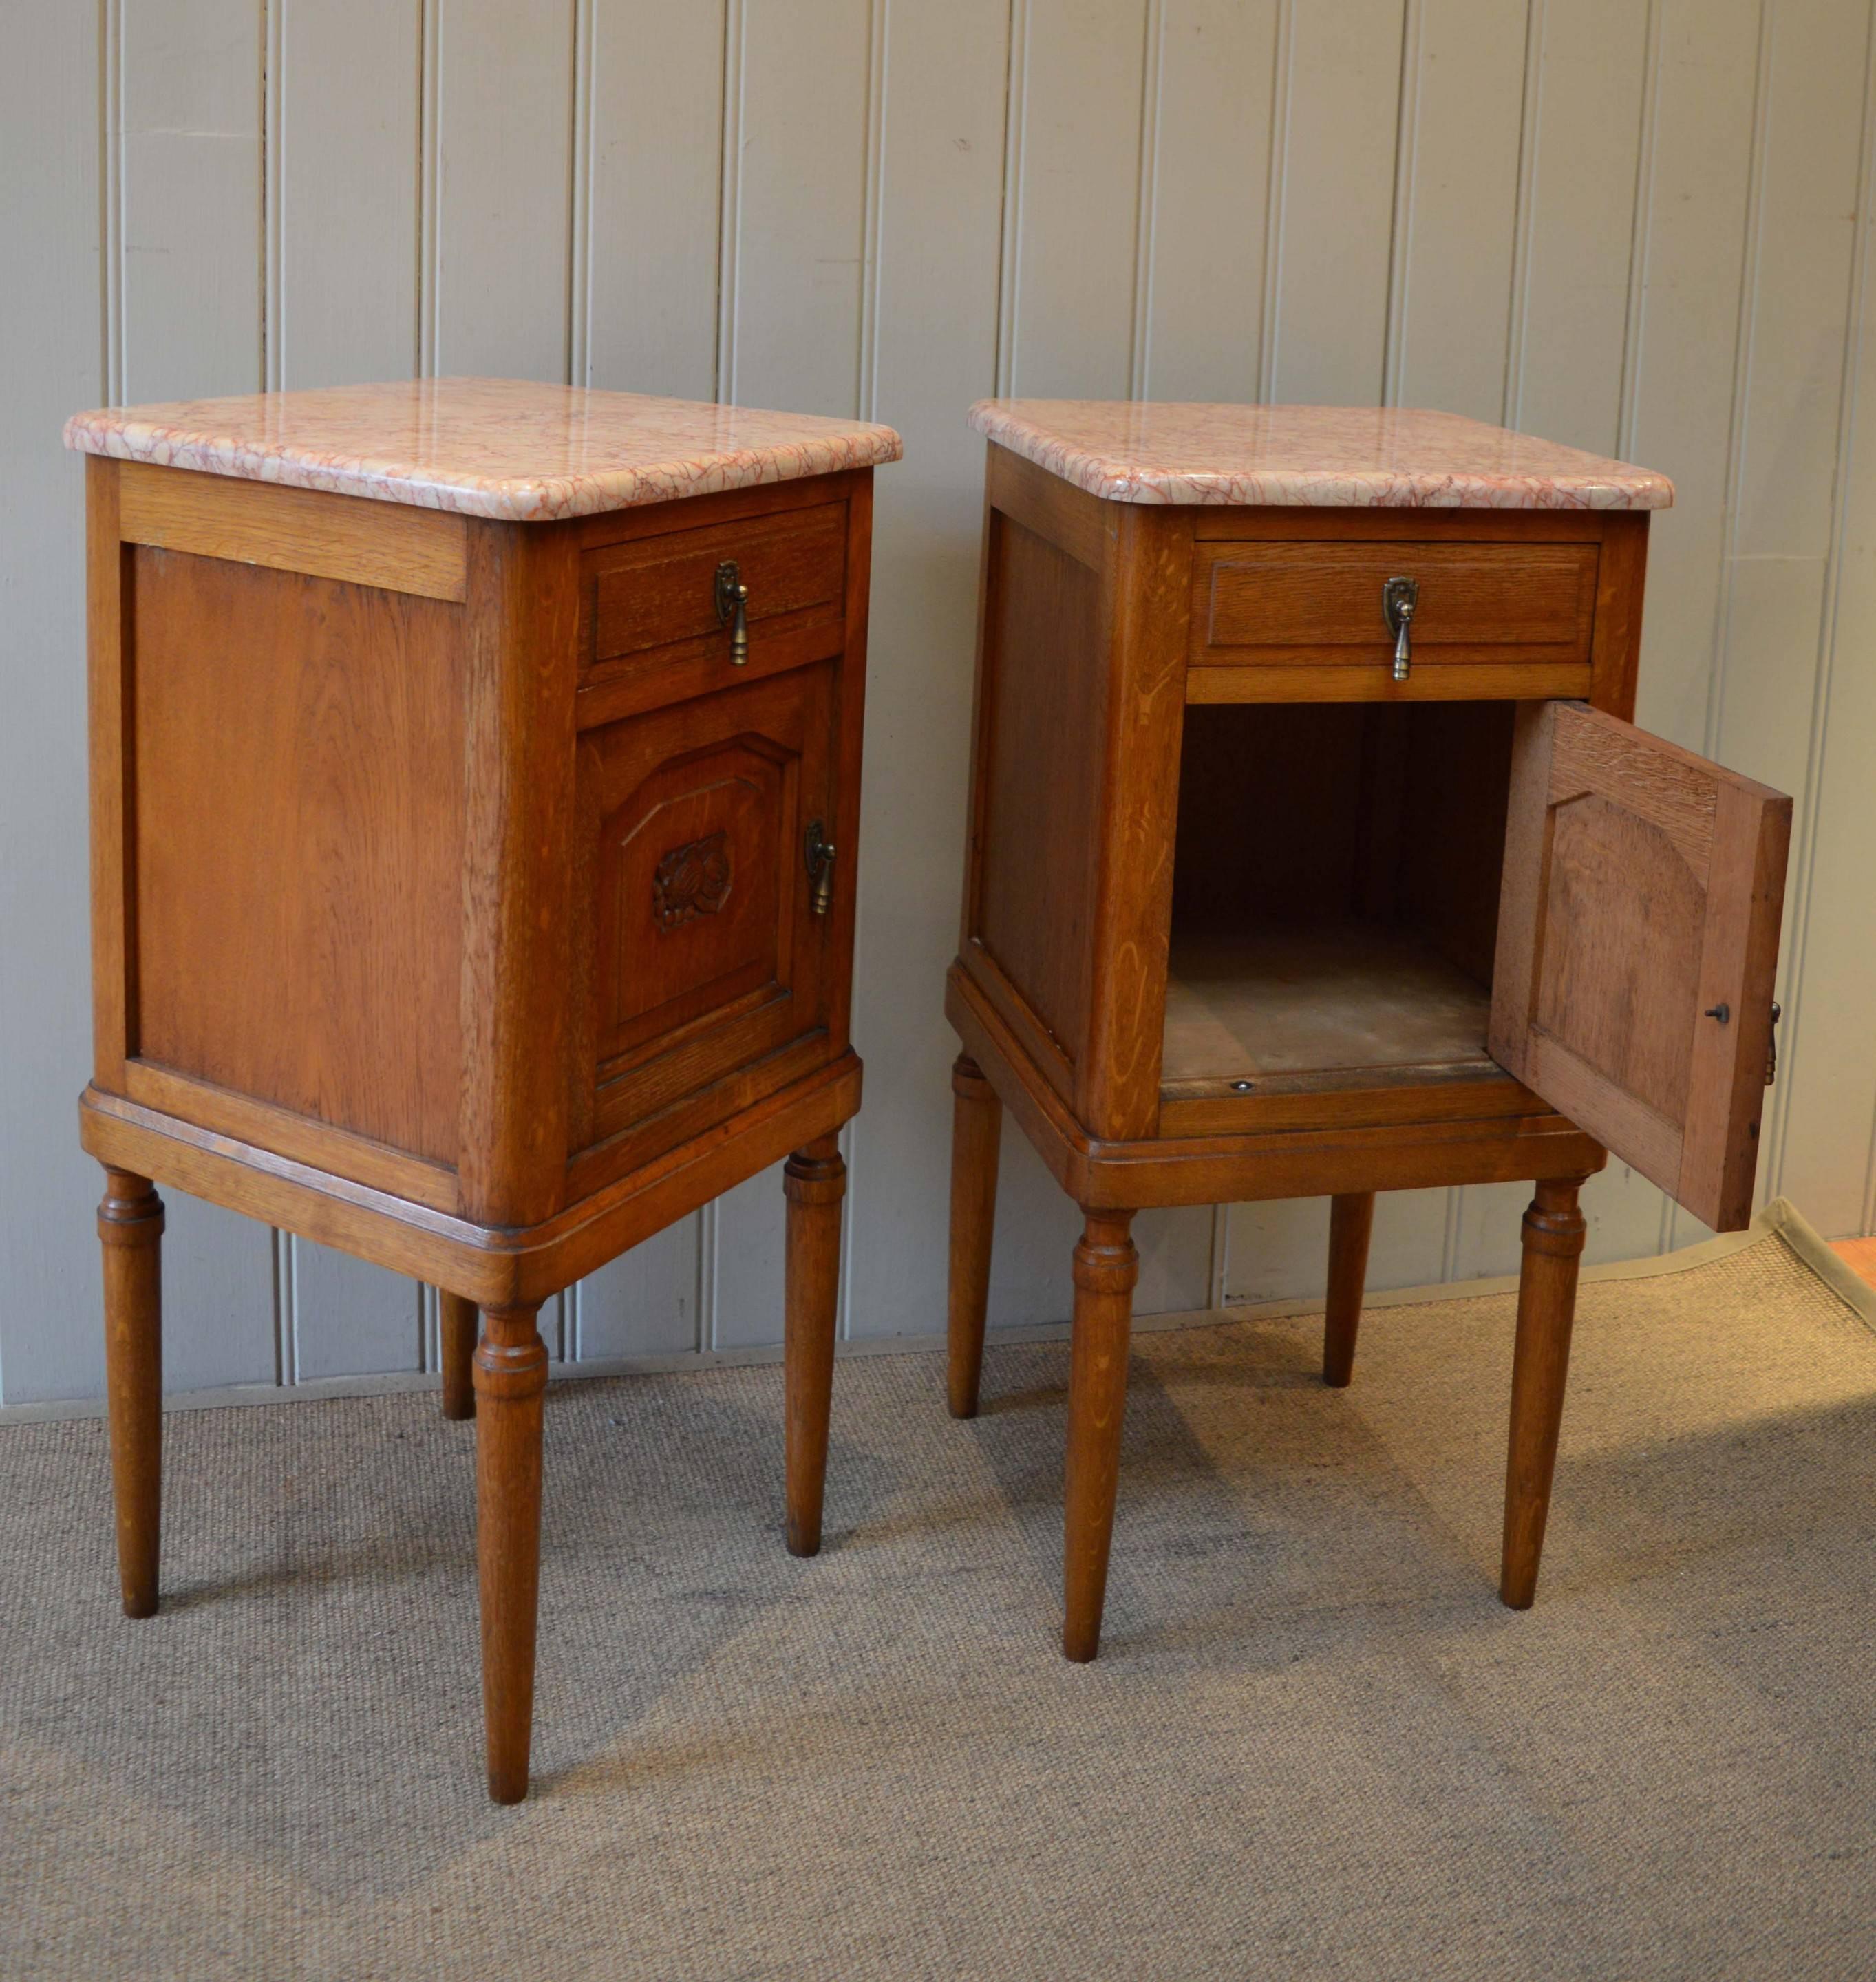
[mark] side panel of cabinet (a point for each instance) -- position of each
(1030, 886)
(295, 848)
(702, 971)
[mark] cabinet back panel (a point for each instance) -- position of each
(297, 884)
(1040, 753)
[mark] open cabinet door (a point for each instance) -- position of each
(1637, 937)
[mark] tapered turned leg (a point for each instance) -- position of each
(976, 1134)
(511, 1380)
(1547, 1304)
(1107, 1267)
(130, 1224)
(457, 1322)
(816, 1180)
(1351, 1219)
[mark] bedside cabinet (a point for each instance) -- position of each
(1313, 853)
(475, 793)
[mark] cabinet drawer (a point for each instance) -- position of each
(662, 591)
(1265, 607)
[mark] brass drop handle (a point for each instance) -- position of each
(732, 600)
(1399, 597)
(818, 853)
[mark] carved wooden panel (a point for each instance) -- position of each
(700, 954)
(692, 880)
(1637, 937)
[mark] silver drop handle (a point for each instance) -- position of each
(1399, 597)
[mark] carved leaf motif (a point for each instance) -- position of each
(691, 881)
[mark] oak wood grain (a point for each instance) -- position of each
(514, 879)
(511, 1382)
(130, 1231)
(297, 789)
(976, 1127)
(458, 1324)
(492, 1265)
(1107, 1268)
(1638, 937)
(1142, 637)
(1351, 1225)
(1297, 604)
(111, 734)
(655, 591)
(1042, 707)
(1554, 1233)
(814, 1179)
(387, 545)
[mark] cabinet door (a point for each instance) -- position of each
(705, 969)
(1637, 937)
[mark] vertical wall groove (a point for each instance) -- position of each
(429, 189)
(1529, 134)
(273, 143)
(1401, 234)
(1146, 201)
(1280, 65)
(1010, 246)
(1639, 224)
(579, 202)
(730, 226)
(111, 188)
(1742, 371)
(878, 34)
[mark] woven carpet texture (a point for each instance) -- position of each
(1314, 1745)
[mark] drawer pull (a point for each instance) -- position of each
(732, 600)
(817, 854)
(1399, 597)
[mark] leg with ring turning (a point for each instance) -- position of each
(511, 1382)
(976, 1130)
(1547, 1302)
(815, 1179)
(130, 1226)
(1106, 1267)
(1351, 1220)
(458, 1321)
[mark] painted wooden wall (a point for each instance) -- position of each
(1638, 226)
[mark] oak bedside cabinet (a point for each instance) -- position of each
(1313, 853)
(475, 773)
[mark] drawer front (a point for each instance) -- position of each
(703, 955)
(662, 592)
(1529, 606)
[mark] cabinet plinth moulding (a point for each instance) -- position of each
(447, 899)
(1312, 852)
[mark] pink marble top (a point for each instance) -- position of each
(485, 447)
(1327, 457)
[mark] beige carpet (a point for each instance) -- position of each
(1315, 1745)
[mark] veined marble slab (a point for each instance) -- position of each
(485, 447)
(1322, 457)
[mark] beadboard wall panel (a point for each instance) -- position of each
(344, 125)
(935, 269)
(1641, 225)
